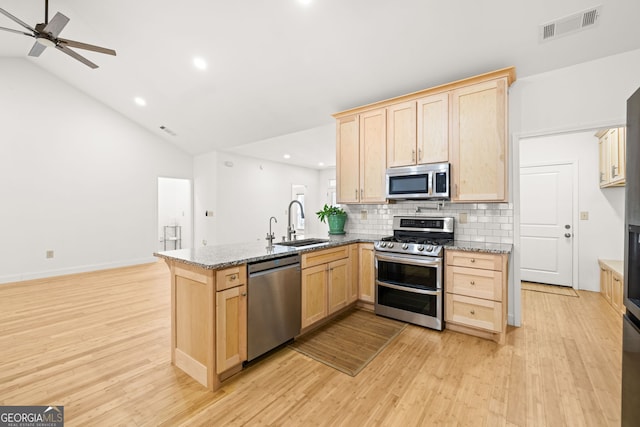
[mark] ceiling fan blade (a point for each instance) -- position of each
(74, 55)
(87, 46)
(37, 49)
(14, 19)
(57, 23)
(16, 31)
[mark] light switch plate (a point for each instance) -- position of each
(584, 216)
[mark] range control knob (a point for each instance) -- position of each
(429, 248)
(405, 246)
(391, 245)
(383, 244)
(420, 248)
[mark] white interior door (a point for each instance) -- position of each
(546, 224)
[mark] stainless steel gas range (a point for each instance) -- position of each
(409, 270)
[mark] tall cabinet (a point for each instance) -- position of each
(361, 160)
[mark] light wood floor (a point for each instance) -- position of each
(98, 344)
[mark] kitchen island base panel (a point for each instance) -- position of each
(193, 322)
(499, 337)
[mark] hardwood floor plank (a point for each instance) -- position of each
(98, 343)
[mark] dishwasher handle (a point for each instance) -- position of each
(273, 265)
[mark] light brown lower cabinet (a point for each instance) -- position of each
(476, 294)
(366, 273)
(326, 283)
(612, 283)
(231, 328)
(208, 321)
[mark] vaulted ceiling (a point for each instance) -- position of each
(280, 67)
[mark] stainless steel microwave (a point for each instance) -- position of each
(419, 182)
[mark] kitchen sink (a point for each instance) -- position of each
(302, 243)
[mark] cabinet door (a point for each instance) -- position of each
(479, 142)
(314, 294)
(617, 153)
(354, 260)
(373, 135)
(231, 328)
(616, 293)
(348, 160)
(401, 134)
(339, 285)
(605, 284)
(366, 273)
(433, 129)
(603, 151)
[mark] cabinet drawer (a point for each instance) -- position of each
(324, 256)
(474, 312)
(474, 282)
(231, 277)
(475, 260)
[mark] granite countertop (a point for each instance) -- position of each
(492, 248)
(221, 256)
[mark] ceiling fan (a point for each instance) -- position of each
(46, 35)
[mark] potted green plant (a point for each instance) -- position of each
(334, 216)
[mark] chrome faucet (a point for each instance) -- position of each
(291, 229)
(270, 234)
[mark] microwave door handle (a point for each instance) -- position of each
(430, 184)
(407, 289)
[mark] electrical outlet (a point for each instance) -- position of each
(363, 215)
(204, 243)
(584, 216)
(462, 218)
(49, 254)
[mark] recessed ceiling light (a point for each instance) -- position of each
(305, 2)
(287, 156)
(200, 63)
(140, 101)
(320, 163)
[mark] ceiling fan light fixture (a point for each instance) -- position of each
(140, 101)
(45, 42)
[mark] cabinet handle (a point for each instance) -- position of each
(244, 294)
(361, 194)
(356, 193)
(413, 155)
(473, 283)
(473, 260)
(613, 171)
(419, 154)
(472, 312)
(233, 277)
(455, 189)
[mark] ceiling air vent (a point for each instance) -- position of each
(570, 24)
(167, 130)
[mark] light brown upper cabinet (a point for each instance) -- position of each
(612, 151)
(418, 131)
(361, 162)
(479, 142)
(463, 123)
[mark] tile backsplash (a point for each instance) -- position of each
(475, 222)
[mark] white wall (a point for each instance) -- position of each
(76, 178)
(602, 235)
(246, 194)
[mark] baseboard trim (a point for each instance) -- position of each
(12, 278)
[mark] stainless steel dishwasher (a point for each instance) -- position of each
(274, 304)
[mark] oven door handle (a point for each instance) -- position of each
(418, 260)
(407, 289)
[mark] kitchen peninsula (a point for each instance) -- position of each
(209, 295)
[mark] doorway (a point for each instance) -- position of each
(175, 217)
(546, 224)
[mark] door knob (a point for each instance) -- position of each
(567, 234)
